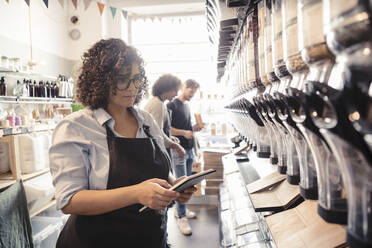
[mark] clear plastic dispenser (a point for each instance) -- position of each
(276, 124)
(293, 163)
(332, 202)
(345, 119)
(298, 69)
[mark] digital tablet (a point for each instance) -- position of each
(188, 182)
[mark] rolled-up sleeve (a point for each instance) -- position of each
(69, 162)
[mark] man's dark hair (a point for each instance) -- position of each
(191, 83)
(165, 83)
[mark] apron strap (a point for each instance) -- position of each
(146, 129)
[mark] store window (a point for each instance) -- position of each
(177, 45)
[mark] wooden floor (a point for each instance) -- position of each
(205, 230)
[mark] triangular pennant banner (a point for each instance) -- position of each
(113, 12)
(61, 2)
(101, 6)
(7, 1)
(46, 3)
(28, 2)
(125, 14)
(86, 4)
(74, 2)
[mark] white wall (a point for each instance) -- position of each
(50, 27)
(94, 27)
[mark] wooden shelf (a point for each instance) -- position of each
(45, 207)
(6, 183)
(26, 177)
(6, 176)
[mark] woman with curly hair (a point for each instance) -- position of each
(108, 160)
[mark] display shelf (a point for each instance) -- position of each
(6, 182)
(26, 129)
(26, 74)
(29, 176)
(6, 70)
(34, 100)
(43, 208)
(249, 227)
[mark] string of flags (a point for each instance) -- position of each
(101, 6)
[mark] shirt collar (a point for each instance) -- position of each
(102, 116)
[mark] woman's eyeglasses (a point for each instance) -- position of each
(123, 83)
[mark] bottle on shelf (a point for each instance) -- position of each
(18, 90)
(42, 90)
(56, 89)
(3, 87)
(36, 90)
(48, 89)
(31, 89)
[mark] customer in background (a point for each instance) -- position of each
(108, 160)
(165, 88)
(182, 128)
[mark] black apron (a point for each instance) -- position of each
(132, 161)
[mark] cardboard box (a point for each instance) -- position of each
(213, 182)
(198, 192)
(196, 167)
(279, 198)
(265, 182)
(303, 227)
(212, 190)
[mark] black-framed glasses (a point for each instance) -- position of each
(123, 83)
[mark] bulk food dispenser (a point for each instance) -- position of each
(332, 203)
(269, 99)
(281, 106)
(345, 117)
(298, 69)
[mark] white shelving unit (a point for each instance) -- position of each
(10, 135)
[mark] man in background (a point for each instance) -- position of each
(182, 128)
(165, 88)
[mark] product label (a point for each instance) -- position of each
(291, 40)
(268, 36)
(252, 71)
(290, 9)
(269, 61)
(312, 24)
(337, 7)
(278, 47)
(262, 64)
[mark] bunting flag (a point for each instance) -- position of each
(46, 2)
(113, 11)
(74, 2)
(61, 2)
(7, 1)
(125, 14)
(86, 4)
(101, 6)
(28, 2)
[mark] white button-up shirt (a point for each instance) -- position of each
(79, 156)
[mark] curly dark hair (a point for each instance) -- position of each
(101, 64)
(165, 83)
